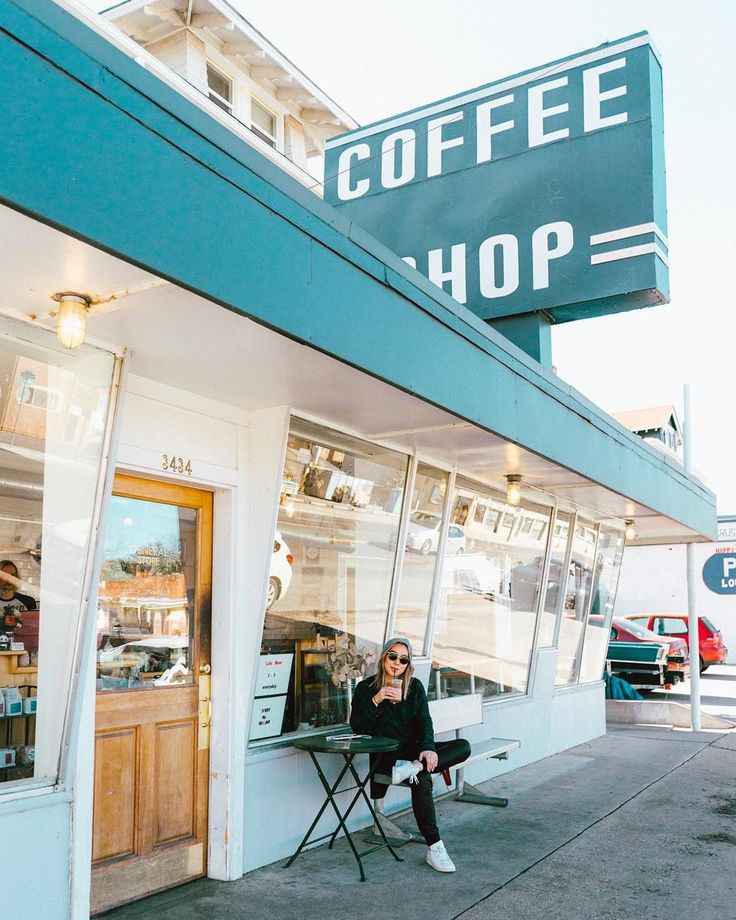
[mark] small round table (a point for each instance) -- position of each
(348, 750)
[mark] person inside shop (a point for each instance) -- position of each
(12, 600)
(393, 704)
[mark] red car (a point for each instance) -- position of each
(678, 658)
(712, 650)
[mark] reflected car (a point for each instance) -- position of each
(423, 535)
(148, 656)
(279, 576)
(711, 648)
(678, 657)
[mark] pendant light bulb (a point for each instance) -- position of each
(513, 488)
(71, 320)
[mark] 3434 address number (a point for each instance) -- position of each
(174, 464)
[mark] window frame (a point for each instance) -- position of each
(258, 131)
(588, 604)
(491, 493)
(229, 105)
(502, 518)
(83, 625)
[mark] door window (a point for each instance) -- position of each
(145, 597)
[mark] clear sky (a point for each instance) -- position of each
(384, 57)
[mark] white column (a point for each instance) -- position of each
(692, 610)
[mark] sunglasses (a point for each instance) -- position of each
(402, 659)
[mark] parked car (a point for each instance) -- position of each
(642, 664)
(423, 535)
(279, 577)
(710, 641)
(678, 657)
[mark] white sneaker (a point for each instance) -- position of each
(403, 771)
(438, 859)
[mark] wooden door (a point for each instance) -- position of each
(153, 683)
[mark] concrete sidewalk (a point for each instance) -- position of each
(640, 822)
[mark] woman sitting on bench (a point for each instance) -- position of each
(400, 711)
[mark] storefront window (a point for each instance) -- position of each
(330, 578)
(577, 595)
(420, 555)
(53, 416)
(607, 567)
(488, 595)
(558, 554)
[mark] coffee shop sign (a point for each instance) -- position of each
(543, 191)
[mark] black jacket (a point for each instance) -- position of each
(408, 721)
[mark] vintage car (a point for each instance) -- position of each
(678, 658)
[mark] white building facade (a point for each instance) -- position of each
(260, 462)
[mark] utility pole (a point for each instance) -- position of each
(692, 612)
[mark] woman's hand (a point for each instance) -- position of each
(387, 693)
(430, 760)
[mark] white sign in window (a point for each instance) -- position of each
(273, 675)
(268, 717)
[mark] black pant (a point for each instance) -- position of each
(449, 753)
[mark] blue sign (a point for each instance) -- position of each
(719, 573)
(541, 192)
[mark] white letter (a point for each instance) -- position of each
(407, 138)
(487, 259)
(410, 260)
(537, 113)
(485, 129)
(542, 254)
(728, 566)
(344, 190)
(456, 275)
(592, 97)
(436, 144)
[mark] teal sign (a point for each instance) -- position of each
(541, 192)
(719, 573)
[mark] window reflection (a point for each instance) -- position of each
(145, 595)
(607, 568)
(330, 577)
(488, 596)
(53, 413)
(422, 543)
(577, 594)
(555, 581)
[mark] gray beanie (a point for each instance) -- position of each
(402, 639)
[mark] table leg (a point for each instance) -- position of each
(361, 791)
(331, 790)
(330, 793)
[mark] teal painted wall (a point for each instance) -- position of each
(96, 146)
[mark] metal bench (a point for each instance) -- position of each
(453, 714)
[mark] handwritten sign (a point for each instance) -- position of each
(268, 717)
(273, 674)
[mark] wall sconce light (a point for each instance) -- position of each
(513, 488)
(71, 319)
(630, 529)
